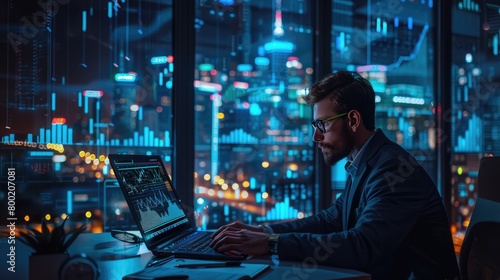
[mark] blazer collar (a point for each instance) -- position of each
(378, 140)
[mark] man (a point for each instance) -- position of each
(390, 220)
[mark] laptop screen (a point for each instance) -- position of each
(149, 194)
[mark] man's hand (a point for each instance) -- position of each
(235, 226)
(240, 238)
(242, 241)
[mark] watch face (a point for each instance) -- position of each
(273, 237)
(126, 236)
(79, 267)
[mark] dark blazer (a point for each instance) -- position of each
(390, 222)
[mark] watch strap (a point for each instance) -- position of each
(272, 243)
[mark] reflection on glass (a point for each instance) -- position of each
(475, 111)
(254, 160)
(82, 80)
(391, 44)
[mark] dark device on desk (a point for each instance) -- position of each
(157, 209)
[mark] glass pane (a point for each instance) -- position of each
(83, 80)
(475, 109)
(391, 44)
(254, 156)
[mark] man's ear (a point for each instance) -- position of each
(354, 120)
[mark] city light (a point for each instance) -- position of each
(241, 85)
(205, 67)
(279, 46)
(244, 67)
(134, 107)
(125, 77)
(408, 100)
(261, 61)
(58, 120)
(244, 194)
(207, 87)
(59, 158)
(93, 93)
(156, 60)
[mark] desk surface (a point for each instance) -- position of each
(116, 259)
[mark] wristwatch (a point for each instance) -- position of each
(272, 243)
(265, 229)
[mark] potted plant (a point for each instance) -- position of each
(50, 248)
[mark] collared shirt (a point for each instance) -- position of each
(353, 163)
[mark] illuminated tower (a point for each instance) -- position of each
(278, 52)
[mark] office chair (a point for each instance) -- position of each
(480, 254)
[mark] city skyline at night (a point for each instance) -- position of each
(96, 78)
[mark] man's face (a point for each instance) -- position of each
(338, 140)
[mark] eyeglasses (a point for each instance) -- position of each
(126, 236)
(320, 124)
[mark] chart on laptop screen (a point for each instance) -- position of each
(151, 196)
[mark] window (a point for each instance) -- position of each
(82, 80)
(475, 109)
(254, 156)
(86, 79)
(391, 44)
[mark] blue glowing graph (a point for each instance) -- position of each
(469, 5)
(281, 211)
(471, 138)
(62, 134)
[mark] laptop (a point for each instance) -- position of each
(157, 209)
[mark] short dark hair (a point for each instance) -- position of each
(347, 91)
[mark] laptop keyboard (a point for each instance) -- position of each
(199, 243)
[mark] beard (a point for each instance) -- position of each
(341, 149)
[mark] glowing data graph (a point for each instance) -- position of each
(285, 200)
(156, 212)
(294, 136)
(137, 180)
(471, 141)
(409, 139)
(494, 43)
(150, 196)
(148, 138)
(280, 211)
(62, 134)
(238, 136)
(469, 5)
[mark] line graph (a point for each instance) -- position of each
(151, 196)
(136, 179)
(401, 59)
